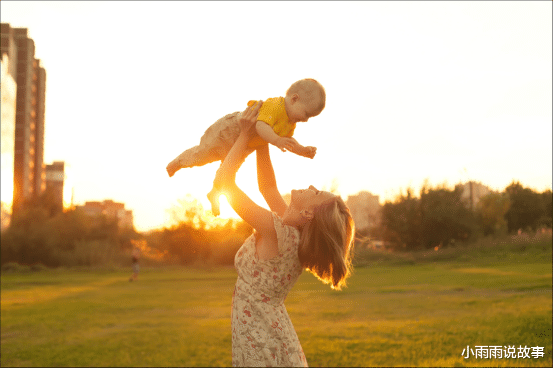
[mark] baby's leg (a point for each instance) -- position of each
(193, 157)
(214, 145)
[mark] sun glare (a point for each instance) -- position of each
(226, 210)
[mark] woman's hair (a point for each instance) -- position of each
(310, 90)
(326, 243)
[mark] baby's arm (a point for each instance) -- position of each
(284, 143)
(266, 132)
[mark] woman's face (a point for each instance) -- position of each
(309, 198)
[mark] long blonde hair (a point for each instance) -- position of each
(326, 243)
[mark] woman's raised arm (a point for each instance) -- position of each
(259, 218)
(267, 182)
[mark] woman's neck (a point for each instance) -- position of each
(292, 217)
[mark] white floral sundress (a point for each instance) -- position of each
(262, 332)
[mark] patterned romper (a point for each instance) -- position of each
(262, 332)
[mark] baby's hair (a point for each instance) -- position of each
(326, 243)
(310, 90)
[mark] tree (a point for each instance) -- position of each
(44, 200)
(40, 233)
(438, 217)
(527, 208)
(400, 221)
(547, 219)
(195, 235)
(492, 210)
(445, 218)
(188, 211)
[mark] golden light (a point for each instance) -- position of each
(67, 188)
(226, 210)
(7, 189)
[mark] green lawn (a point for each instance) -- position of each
(421, 313)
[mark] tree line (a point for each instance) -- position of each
(195, 239)
(440, 217)
(40, 234)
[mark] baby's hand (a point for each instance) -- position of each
(310, 151)
(290, 144)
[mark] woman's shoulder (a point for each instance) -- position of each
(285, 233)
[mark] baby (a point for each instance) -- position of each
(275, 125)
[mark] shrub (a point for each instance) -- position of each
(15, 268)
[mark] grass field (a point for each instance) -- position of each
(414, 310)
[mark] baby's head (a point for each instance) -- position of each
(311, 97)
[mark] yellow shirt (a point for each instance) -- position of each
(273, 112)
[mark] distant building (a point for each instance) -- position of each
(30, 87)
(364, 208)
(55, 174)
(111, 210)
(473, 192)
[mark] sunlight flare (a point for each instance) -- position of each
(226, 210)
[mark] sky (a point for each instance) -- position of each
(440, 91)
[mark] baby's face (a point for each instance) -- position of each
(300, 111)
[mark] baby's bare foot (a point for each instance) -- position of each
(213, 197)
(172, 168)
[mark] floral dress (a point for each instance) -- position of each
(262, 332)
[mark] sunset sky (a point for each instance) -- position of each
(444, 91)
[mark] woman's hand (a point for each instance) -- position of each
(248, 118)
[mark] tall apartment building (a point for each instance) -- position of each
(55, 174)
(30, 80)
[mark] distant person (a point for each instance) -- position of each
(314, 232)
(276, 123)
(135, 267)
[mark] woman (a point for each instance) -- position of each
(314, 232)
